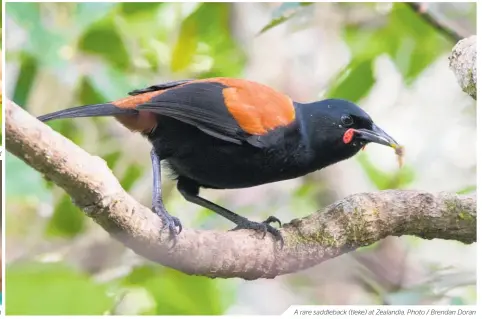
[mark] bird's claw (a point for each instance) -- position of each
(272, 219)
(263, 227)
(168, 221)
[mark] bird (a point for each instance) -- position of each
(229, 133)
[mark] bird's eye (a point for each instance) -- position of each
(346, 120)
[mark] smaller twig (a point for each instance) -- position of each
(422, 10)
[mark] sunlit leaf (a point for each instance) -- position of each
(208, 48)
(185, 48)
(354, 82)
(53, 289)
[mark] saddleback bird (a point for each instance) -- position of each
(225, 133)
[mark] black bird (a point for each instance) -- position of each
(225, 133)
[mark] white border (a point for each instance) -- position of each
(479, 174)
(2, 158)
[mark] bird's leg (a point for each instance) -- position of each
(190, 190)
(168, 221)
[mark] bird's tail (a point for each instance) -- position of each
(105, 109)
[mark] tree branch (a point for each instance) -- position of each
(463, 62)
(422, 10)
(355, 221)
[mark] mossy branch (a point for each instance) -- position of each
(348, 224)
(463, 62)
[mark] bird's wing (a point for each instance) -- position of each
(159, 87)
(230, 109)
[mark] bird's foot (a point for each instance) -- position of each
(168, 221)
(263, 227)
(272, 219)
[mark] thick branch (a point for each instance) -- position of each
(353, 222)
(463, 62)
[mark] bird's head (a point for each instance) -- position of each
(339, 129)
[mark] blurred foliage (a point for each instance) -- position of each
(57, 289)
(174, 294)
(1, 122)
(386, 180)
(408, 40)
(53, 289)
(1, 71)
(411, 42)
(112, 48)
(467, 190)
(134, 43)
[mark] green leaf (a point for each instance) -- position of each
(354, 82)
(103, 39)
(468, 189)
(419, 44)
(406, 38)
(23, 181)
(141, 274)
(88, 94)
(25, 79)
(369, 247)
(112, 158)
(133, 8)
(186, 45)
(177, 293)
(67, 220)
(131, 175)
(383, 180)
(53, 289)
(200, 42)
(283, 13)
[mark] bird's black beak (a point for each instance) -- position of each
(377, 135)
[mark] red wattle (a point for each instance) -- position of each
(348, 136)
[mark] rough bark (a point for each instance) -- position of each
(463, 62)
(348, 224)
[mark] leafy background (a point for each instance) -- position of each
(383, 56)
(1, 93)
